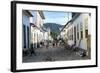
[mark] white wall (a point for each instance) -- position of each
(39, 20)
(80, 20)
(34, 18)
(46, 35)
(5, 37)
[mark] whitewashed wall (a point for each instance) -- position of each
(38, 21)
(78, 21)
(34, 18)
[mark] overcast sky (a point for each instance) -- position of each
(57, 17)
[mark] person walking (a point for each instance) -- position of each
(32, 51)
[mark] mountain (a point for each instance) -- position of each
(54, 27)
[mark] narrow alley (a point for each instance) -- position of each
(53, 54)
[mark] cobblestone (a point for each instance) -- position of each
(53, 54)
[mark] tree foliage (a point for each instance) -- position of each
(54, 35)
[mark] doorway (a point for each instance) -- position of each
(74, 35)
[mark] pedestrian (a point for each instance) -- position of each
(47, 45)
(41, 43)
(32, 51)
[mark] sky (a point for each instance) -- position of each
(56, 17)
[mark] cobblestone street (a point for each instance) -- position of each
(53, 54)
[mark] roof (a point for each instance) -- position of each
(41, 14)
(33, 25)
(44, 29)
(75, 16)
(28, 13)
(66, 24)
(41, 29)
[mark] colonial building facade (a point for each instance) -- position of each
(78, 31)
(26, 29)
(37, 33)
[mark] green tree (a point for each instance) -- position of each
(54, 35)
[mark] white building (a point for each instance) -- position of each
(78, 31)
(26, 29)
(37, 33)
(46, 35)
(49, 34)
(63, 33)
